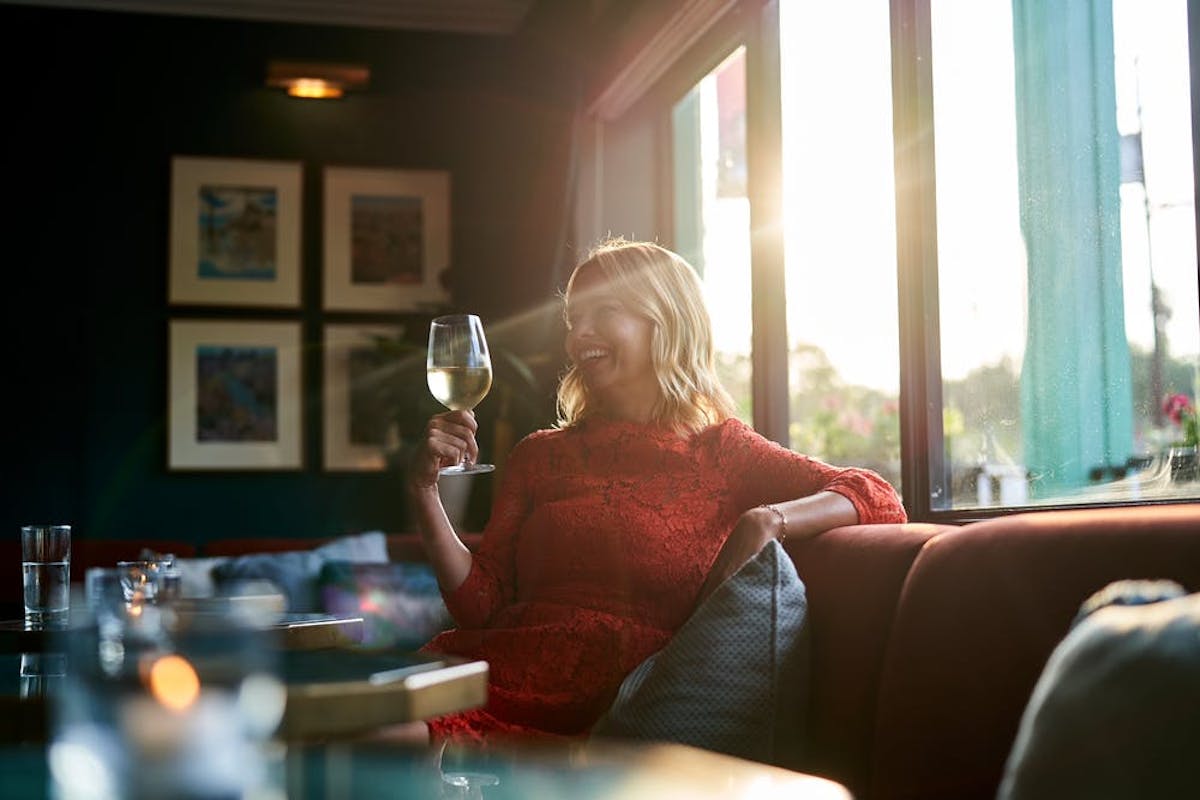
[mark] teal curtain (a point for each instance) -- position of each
(1076, 398)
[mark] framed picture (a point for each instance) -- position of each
(356, 415)
(235, 395)
(235, 232)
(387, 239)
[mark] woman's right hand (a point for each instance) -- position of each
(449, 439)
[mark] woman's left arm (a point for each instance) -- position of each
(789, 495)
(799, 518)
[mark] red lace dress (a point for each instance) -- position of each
(598, 543)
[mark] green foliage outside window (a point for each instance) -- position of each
(840, 423)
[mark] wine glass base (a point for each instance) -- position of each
(466, 469)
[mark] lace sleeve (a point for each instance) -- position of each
(762, 471)
(491, 583)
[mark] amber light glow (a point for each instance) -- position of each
(317, 80)
(174, 682)
(314, 88)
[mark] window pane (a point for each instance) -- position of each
(1062, 227)
(712, 212)
(840, 233)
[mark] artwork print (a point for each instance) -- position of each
(237, 229)
(368, 416)
(359, 397)
(386, 240)
(235, 232)
(237, 394)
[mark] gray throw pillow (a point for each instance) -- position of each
(295, 572)
(196, 575)
(1116, 711)
(734, 678)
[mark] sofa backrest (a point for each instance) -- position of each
(853, 577)
(980, 612)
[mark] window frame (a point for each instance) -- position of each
(921, 401)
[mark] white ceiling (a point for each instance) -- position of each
(495, 17)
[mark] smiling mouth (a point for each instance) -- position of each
(591, 355)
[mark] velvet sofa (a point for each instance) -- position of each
(927, 639)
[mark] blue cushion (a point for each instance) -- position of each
(734, 677)
(400, 603)
(295, 572)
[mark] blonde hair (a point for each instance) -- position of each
(661, 286)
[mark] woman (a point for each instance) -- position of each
(605, 532)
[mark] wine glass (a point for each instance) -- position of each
(459, 370)
(464, 771)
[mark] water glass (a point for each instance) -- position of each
(46, 565)
(150, 580)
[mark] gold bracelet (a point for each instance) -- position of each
(782, 520)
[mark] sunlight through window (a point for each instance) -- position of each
(840, 233)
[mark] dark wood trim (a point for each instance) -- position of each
(967, 515)
(717, 43)
(922, 459)
(764, 143)
(656, 38)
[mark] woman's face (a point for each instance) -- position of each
(609, 344)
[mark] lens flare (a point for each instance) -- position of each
(174, 682)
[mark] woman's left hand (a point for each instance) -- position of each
(754, 529)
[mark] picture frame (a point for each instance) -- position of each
(235, 395)
(355, 422)
(387, 239)
(235, 232)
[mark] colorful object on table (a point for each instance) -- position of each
(400, 603)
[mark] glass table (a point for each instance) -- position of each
(333, 688)
(596, 770)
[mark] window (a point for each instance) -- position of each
(839, 229)
(984, 233)
(1066, 264)
(712, 212)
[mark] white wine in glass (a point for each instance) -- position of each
(459, 370)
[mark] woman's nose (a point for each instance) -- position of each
(581, 326)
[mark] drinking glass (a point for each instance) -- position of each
(466, 771)
(150, 580)
(459, 370)
(46, 566)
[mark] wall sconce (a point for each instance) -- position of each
(317, 80)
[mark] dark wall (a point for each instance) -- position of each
(102, 102)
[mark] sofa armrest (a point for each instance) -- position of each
(853, 576)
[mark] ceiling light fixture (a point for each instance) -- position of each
(318, 80)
